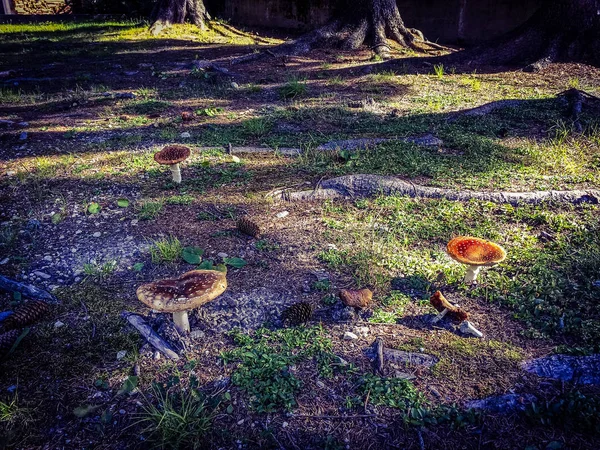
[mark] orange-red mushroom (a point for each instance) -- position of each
(172, 155)
(475, 253)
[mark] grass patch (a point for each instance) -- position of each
(148, 210)
(265, 362)
(165, 250)
(146, 107)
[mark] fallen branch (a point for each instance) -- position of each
(362, 185)
(149, 334)
(8, 285)
(379, 358)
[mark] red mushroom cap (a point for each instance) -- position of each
(475, 252)
(172, 154)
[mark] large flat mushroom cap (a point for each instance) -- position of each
(475, 252)
(172, 154)
(191, 290)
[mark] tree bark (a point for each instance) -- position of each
(168, 12)
(355, 23)
(561, 30)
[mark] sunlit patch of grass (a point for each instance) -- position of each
(149, 209)
(538, 280)
(165, 250)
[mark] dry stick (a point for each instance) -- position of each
(149, 334)
(379, 361)
(8, 285)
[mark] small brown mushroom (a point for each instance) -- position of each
(179, 295)
(475, 253)
(172, 155)
(356, 299)
(444, 307)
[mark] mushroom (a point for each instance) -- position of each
(467, 328)
(172, 155)
(443, 306)
(475, 253)
(179, 295)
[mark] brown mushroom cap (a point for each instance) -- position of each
(172, 154)
(475, 252)
(189, 291)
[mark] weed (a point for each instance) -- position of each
(438, 69)
(321, 285)
(571, 409)
(96, 270)
(391, 392)
(265, 361)
(292, 89)
(178, 420)
(165, 250)
(184, 199)
(265, 245)
(147, 210)
(257, 127)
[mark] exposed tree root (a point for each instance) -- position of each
(374, 21)
(168, 12)
(360, 185)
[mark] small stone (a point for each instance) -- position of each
(121, 354)
(156, 355)
(43, 275)
(10, 173)
(122, 411)
(4, 261)
(282, 214)
(197, 334)
(349, 336)
(134, 222)
(58, 324)
(222, 255)
(284, 424)
(185, 135)
(320, 384)
(234, 85)
(23, 136)
(97, 234)
(240, 422)
(48, 258)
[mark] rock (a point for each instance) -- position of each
(402, 357)
(356, 298)
(58, 324)
(185, 135)
(97, 234)
(48, 258)
(222, 255)
(122, 411)
(344, 314)
(197, 335)
(10, 173)
(362, 330)
(404, 375)
(121, 354)
(4, 261)
(234, 85)
(502, 403)
(575, 369)
(321, 275)
(351, 144)
(282, 214)
(124, 95)
(42, 275)
(156, 355)
(349, 336)
(33, 224)
(429, 140)
(23, 136)
(320, 384)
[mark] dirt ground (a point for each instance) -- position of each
(82, 112)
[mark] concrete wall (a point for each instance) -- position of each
(444, 20)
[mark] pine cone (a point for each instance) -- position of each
(27, 314)
(298, 313)
(7, 340)
(248, 227)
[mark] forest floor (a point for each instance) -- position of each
(83, 108)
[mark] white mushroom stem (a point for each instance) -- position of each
(176, 173)
(467, 328)
(471, 274)
(181, 321)
(440, 316)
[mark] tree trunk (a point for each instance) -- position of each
(561, 30)
(356, 22)
(168, 12)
